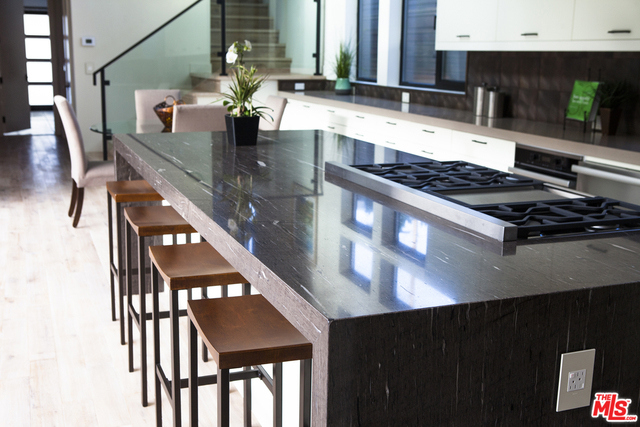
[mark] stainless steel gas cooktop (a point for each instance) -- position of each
(497, 204)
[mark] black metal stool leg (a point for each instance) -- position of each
(277, 395)
(174, 316)
(129, 298)
(193, 375)
(142, 316)
(156, 342)
(205, 352)
(305, 393)
(111, 263)
(122, 282)
(223, 397)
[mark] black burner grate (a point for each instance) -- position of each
(533, 219)
(566, 216)
(454, 175)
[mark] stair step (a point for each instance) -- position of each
(241, 9)
(264, 65)
(249, 22)
(253, 35)
(258, 50)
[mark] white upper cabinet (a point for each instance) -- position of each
(606, 20)
(461, 21)
(534, 20)
(539, 25)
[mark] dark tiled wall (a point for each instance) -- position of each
(537, 84)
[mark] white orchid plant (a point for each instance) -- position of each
(244, 85)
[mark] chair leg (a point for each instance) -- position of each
(142, 292)
(76, 219)
(111, 261)
(223, 397)
(123, 270)
(129, 297)
(305, 393)
(74, 195)
(156, 342)
(193, 375)
(174, 319)
(277, 395)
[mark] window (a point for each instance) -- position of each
(39, 68)
(367, 57)
(421, 64)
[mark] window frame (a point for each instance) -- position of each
(440, 84)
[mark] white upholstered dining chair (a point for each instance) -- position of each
(199, 118)
(277, 104)
(84, 173)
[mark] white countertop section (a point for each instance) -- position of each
(624, 149)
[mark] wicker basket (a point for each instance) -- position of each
(165, 112)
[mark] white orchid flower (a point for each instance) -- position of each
(231, 57)
(247, 45)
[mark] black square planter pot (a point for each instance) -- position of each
(242, 130)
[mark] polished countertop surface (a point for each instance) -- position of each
(622, 148)
(347, 251)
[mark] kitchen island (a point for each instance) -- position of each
(414, 321)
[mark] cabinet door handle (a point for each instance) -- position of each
(331, 127)
(463, 36)
(478, 142)
(359, 117)
(390, 143)
(428, 131)
(528, 34)
(331, 111)
(427, 152)
(619, 31)
(306, 106)
(391, 123)
(359, 134)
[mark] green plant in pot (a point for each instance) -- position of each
(244, 117)
(613, 96)
(342, 68)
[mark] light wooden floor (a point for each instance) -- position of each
(61, 363)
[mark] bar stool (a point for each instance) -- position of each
(240, 332)
(146, 221)
(136, 191)
(183, 267)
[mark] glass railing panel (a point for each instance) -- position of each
(295, 20)
(166, 60)
(282, 34)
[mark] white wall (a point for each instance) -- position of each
(340, 25)
(116, 25)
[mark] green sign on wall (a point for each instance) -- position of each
(583, 103)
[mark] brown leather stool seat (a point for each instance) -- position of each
(146, 221)
(137, 191)
(242, 332)
(183, 267)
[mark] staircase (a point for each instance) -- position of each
(249, 20)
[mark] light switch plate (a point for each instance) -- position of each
(406, 97)
(576, 377)
(88, 41)
(298, 86)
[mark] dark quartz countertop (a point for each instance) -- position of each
(502, 127)
(348, 252)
